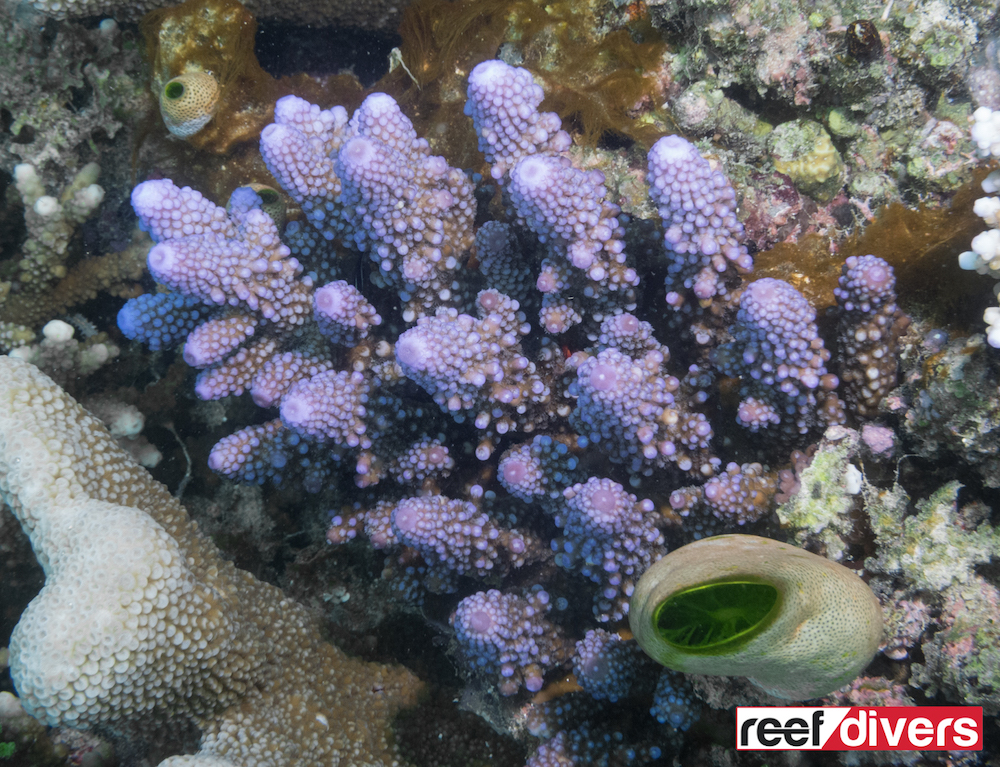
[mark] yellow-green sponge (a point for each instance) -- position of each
(797, 625)
(188, 102)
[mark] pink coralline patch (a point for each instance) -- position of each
(957, 613)
(905, 624)
(785, 61)
(872, 691)
(961, 648)
(941, 137)
(881, 440)
(775, 211)
(789, 479)
(942, 134)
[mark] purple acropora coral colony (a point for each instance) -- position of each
(578, 404)
(869, 330)
(604, 665)
(779, 357)
(509, 635)
(698, 208)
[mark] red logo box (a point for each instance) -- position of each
(859, 728)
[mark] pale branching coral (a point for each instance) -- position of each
(51, 223)
(62, 357)
(985, 254)
(46, 284)
(986, 131)
(140, 615)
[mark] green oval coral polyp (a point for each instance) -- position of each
(173, 90)
(717, 617)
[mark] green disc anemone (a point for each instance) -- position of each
(797, 625)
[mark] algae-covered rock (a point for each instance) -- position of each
(953, 406)
(962, 659)
(819, 512)
(803, 151)
(937, 547)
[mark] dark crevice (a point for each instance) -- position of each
(285, 49)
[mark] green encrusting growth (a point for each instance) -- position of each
(716, 616)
